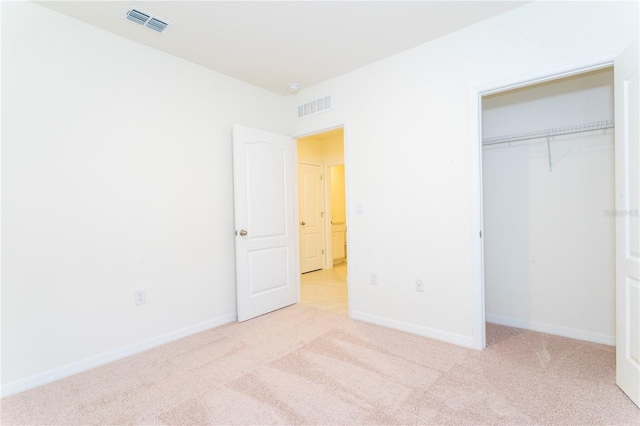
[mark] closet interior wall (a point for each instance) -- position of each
(548, 241)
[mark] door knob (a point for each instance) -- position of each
(243, 233)
(303, 223)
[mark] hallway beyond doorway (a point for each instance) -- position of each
(326, 289)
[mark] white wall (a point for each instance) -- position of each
(116, 175)
(548, 245)
(310, 150)
(333, 148)
(338, 201)
(323, 148)
(581, 99)
(407, 152)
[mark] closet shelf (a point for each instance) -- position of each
(567, 130)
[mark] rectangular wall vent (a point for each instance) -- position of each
(147, 20)
(315, 107)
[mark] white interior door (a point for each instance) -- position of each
(627, 92)
(264, 177)
(311, 217)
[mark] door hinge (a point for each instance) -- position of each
(480, 233)
(321, 214)
(322, 251)
(320, 177)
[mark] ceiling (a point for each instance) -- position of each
(270, 44)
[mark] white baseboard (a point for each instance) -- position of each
(552, 329)
(432, 333)
(107, 357)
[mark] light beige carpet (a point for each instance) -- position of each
(300, 365)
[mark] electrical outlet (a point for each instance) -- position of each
(373, 278)
(140, 297)
(419, 285)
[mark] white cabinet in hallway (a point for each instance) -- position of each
(338, 241)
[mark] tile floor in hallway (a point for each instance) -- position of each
(326, 289)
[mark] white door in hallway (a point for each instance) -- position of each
(266, 258)
(311, 214)
(627, 110)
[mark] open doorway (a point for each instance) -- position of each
(548, 181)
(322, 214)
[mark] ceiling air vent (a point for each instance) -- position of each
(315, 107)
(156, 25)
(137, 17)
(147, 20)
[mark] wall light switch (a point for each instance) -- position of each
(140, 297)
(373, 278)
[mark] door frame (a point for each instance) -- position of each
(347, 191)
(475, 128)
(327, 216)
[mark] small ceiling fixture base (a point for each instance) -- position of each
(293, 87)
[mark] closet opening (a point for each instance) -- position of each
(548, 190)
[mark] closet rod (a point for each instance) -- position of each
(567, 130)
